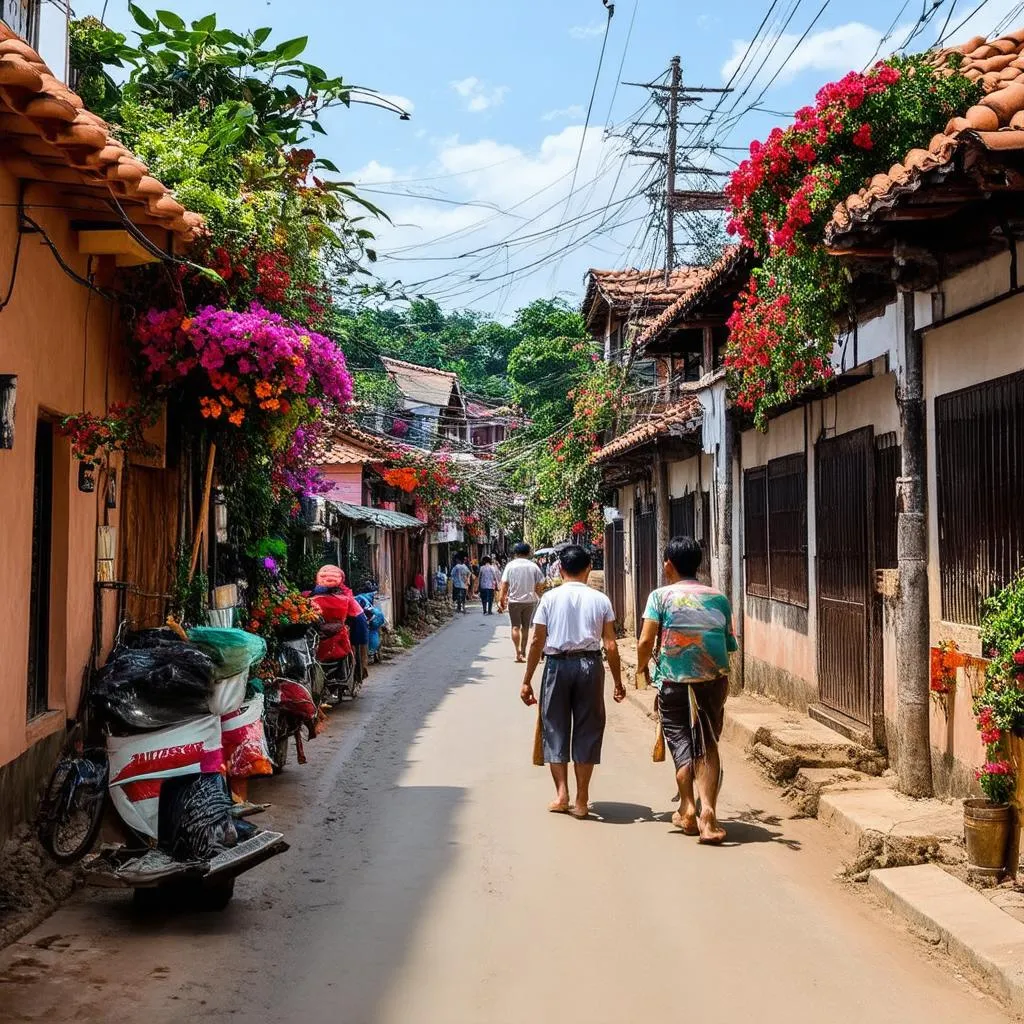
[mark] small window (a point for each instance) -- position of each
(755, 530)
(775, 530)
(23, 17)
(980, 478)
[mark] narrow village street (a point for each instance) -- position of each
(427, 885)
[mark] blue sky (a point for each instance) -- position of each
(477, 182)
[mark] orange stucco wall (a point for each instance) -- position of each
(63, 343)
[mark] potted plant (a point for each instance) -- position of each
(999, 710)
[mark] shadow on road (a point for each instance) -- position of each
(610, 812)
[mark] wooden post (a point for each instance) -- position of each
(204, 512)
(1017, 806)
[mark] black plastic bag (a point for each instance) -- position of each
(156, 686)
(194, 820)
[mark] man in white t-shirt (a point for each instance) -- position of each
(522, 583)
(572, 624)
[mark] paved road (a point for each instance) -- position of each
(427, 885)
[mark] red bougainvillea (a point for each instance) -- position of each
(783, 329)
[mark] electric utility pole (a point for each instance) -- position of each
(672, 97)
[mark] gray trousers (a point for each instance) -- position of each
(572, 708)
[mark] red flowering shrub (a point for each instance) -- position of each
(783, 328)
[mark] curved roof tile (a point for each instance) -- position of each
(77, 139)
(997, 121)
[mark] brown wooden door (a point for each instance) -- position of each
(150, 523)
(615, 568)
(844, 513)
(645, 558)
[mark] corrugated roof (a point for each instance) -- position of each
(48, 135)
(682, 417)
(421, 384)
(381, 517)
(997, 123)
(686, 304)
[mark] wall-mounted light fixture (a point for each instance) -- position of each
(8, 397)
(220, 515)
(87, 476)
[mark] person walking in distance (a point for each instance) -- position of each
(488, 580)
(691, 625)
(522, 584)
(572, 624)
(462, 577)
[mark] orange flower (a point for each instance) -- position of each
(271, 405)
(263, 389)
(237, 416)
(186, 324)
(215, 409)
(242, 394)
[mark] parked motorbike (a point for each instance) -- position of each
(293, 697)
(149, 747)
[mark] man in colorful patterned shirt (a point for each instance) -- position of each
(691, 626)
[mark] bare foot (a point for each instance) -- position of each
(519, 659)
(580, 811)
(559, 806)
(687, 823)
(711, 833)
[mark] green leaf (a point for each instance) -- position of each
(291, 48)
(207, 24)
(317, 127)
(261, 35)
(327, 165)
(171, 20)
(142, 19)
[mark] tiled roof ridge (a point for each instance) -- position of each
(633, 287)
(682, 411)
(997, 121)
(82, 140)
(731, 255)
(389, 360)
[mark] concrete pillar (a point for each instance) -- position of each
(913, 761)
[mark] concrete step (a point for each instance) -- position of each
(950, 914)
(795, 740)
(807, 786)
(879, 827)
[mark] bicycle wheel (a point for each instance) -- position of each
(74, 802)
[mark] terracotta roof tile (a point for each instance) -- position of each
(996, 122)
(351, 445)
(638, 292)
(702, 289)
(686, 413)
(53, 137)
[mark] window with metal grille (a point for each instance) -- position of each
(787, 529)
(755, 530)
(685, 514)
(775, 517)
(887, 471)
(980, 476)
(23, 17)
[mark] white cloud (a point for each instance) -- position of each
(833, 50)
(595, 28)
(573, 110)
(519, 196)
(403, 102)
(374, 173)
(479, 96)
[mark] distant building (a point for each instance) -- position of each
(432, 403)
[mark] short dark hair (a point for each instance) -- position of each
(685, 555)
(486, 560)
(574, 560)
(521, 550)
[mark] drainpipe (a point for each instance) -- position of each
(661, 511)
(913, 742)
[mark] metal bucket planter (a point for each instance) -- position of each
(987, 833)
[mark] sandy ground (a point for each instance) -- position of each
(426, 884)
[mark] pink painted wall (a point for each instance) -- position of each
(346, 483)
